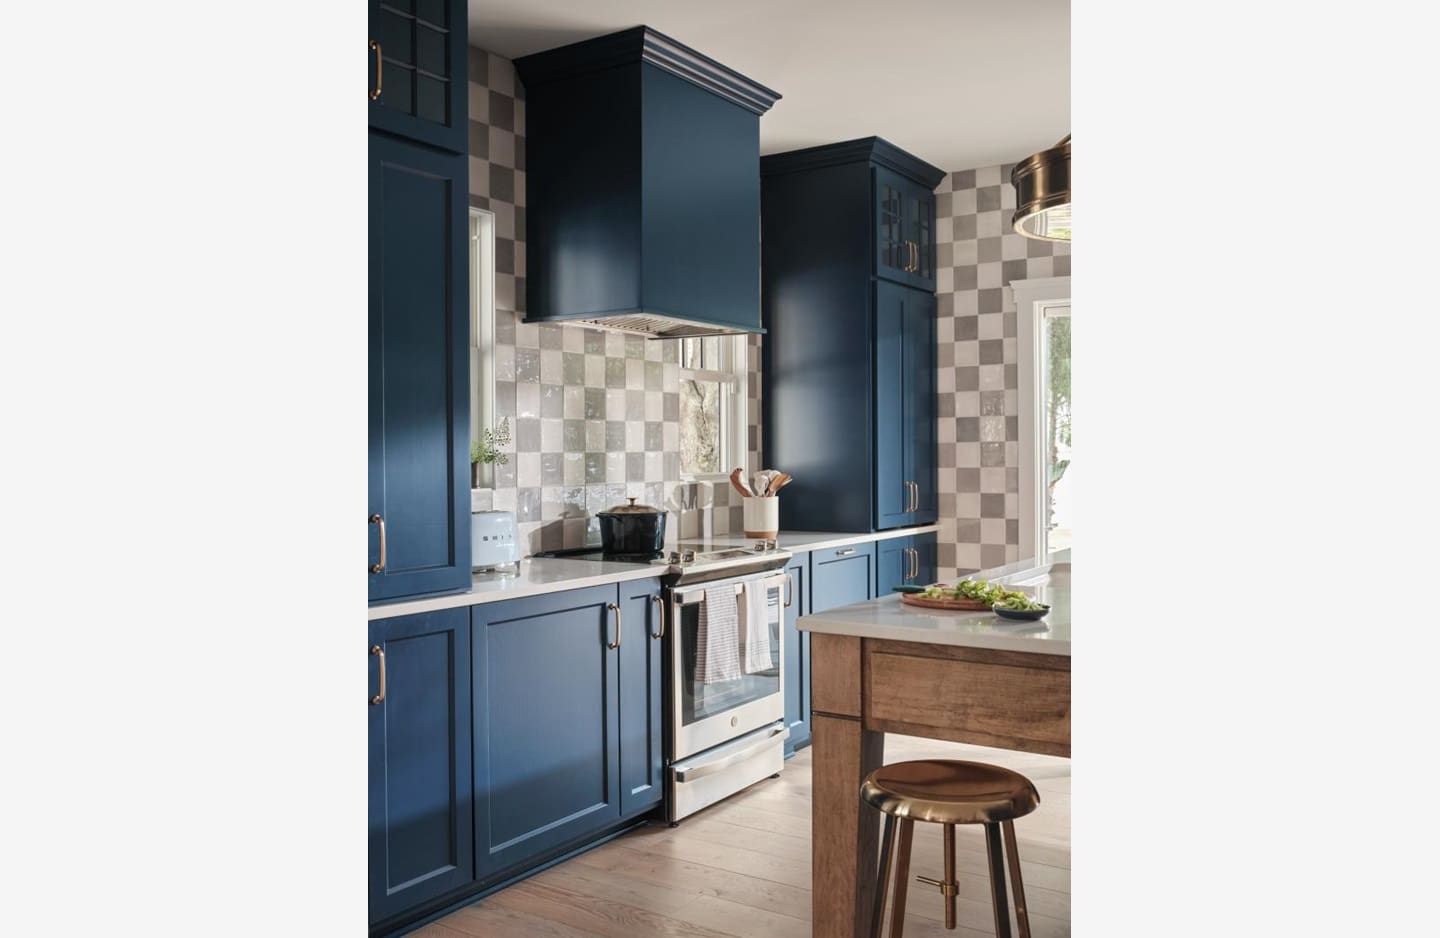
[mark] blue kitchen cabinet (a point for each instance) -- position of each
(905, 561)
(797, 653)
(904, 229)
(905, 456)
(840, 576)
(642, 710)
(417, 71)
(419, 493)
(847, 294)
(421, 833)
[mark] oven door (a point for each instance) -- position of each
(706, 714)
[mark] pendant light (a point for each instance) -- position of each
(1042, 194)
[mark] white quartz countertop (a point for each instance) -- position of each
(886, 617)
(539, 575)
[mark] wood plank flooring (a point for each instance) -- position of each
(741, 869)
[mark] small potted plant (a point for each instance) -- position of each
(486, 450)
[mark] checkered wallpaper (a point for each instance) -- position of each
(979, 256)
(594, 415)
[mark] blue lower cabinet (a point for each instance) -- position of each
(840, 576)
(797, 653)
(547, 733)
(906, 561)
(421, 834)
(642, 715)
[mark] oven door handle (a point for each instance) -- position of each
(689, 774)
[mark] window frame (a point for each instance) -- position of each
(731, 373)
(482, 328)
(1032, 299)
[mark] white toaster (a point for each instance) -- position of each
(493, 540)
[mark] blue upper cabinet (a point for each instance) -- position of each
(847, 289)
(642, 653)
(419, 503)
(417, 80)
(643, 186)
(547, 727)
(904, 230)
(421, 836)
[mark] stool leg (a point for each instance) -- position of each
(1022, 914)
(902, 877)
(997, 879)
(948, 888)
(887, 838)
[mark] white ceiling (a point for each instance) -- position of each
(959, 83)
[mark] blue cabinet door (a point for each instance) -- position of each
(797, 653)
(904, 230)
(893, 495)
(417, 71)
(546, 717)
(925, 558)
(419, 371)
(904, 561)
(421, 844)
(840, 576)
(642, 712)
(918, 404)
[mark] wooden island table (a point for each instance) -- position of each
(884, 667)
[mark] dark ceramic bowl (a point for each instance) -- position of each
(1023, 615)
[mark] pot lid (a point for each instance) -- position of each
(631, 509)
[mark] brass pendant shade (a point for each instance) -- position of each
(1042, 194)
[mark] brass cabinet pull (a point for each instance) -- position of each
(380, 653)
(379, 77)
(915, 559)
(845, 553)
(909, 564)
(615, 609)
(914, 258)
(789, 589)
(915, 488)
(378, 567)
(660, 614)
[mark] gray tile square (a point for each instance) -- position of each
(551, 335)
(966, 277)
(967, 479)
(945, 355)
(962, 180)
(945, 556)
(671, 409)
(1008, 325)
(654, 436)
(987, 250)
(520, 154)
(594, 436)
(1012, 536)
(572, 366)
(990, 300)
(594, 342)
(504, 255)
(504, 328)
(635, 467)
(477, 66)
(1037, 247)
(594, 467)
(502, 184)
(527, 505)
(479, 140)
(992, 351)
(992, 506)
(502, 112)
(615, 372)
(1012, 376)
(992, 403)
(574, 436)
(654, 376)
(992, 555)
(966, 328)
(963, 227)
(945, 404)
(1011, 271)
(1012, 478)
(945, 305)
(594, 403)
(967, 531)
(634, 347)
(945, 455)
(527, 435)
(987, 198)
(552, 470)
(967, 429)
(634, 405)
(992, 454)
(1062, 265)
(504, 399)
(967, 378)
(614, 436)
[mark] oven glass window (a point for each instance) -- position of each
(731, 682)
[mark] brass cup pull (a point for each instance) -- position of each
(379, 75)
(660, 615)
(378, 567)
(789, 590)
(615, 609)
(380, 653)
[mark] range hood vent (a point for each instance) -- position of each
(642, 188)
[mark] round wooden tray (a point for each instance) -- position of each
(959, 605)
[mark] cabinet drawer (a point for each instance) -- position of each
(840, 576)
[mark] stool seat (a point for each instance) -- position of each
(947, 791)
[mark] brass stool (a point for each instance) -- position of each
(944, 791)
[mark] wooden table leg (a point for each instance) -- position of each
(845, 833)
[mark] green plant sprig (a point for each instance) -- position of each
(487, 448)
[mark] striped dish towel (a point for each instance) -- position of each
(717, 651)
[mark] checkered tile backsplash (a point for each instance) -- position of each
(594, 415)
(978, 257)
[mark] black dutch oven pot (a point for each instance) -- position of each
(632, 531)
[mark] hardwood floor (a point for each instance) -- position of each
(741, 869)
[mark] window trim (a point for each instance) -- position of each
(1032, 298)
(482, 328)
(732, 374)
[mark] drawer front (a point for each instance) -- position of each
(987, 704)
(840, 576)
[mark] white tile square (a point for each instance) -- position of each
(527, 335)
(573, 339)
(574, 468)
(1012, 408)
(479, 176)
(655, 468)
(945, 280)
(967, 505)
(594, 371)
(967, 352)
(614, 403)
(614, 467)
(551, 370)
(635, 436)
(945, 330)
(945, 478)
(989, 225)
(992, 377)
(967, 303)
(614, 345)
(1007, 347)
(989, 276)
(945, 432)
(1012, 247)
(1037, 267)
(635, 374)
(992, 530)
(552, 435)
(967, 404)
(574, 402)
(985, 176)
(967, 455)
(527, 470)
(992, 325)
(671, 436)
(967, 557)
(505, 500)
(527, 399)
(962, 202)
(992, 481)
(965, 253)
(945, 380)
(519, 258)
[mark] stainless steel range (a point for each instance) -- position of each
(725, 720)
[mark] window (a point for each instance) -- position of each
(712, 405)
(1046, 485)
(482, 331)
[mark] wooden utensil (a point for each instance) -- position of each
(779, 482)
(739, 486)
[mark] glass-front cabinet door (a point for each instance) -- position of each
(728, 660)
(904, 230)
(417, 74)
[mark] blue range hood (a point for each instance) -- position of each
(642, 187)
